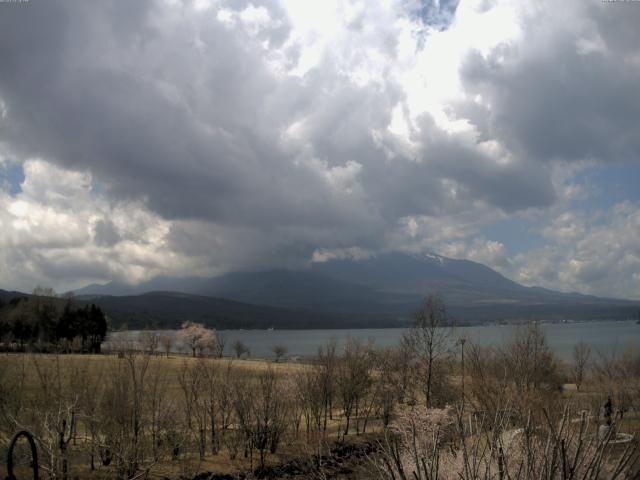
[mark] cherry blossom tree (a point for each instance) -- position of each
(195, 336)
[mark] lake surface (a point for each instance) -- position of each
(603, 337)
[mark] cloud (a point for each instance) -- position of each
(566, 92)
(489, 252)
(588, 253)
(353, 253)
(251, 145)
(105, 233)
(235, 134)
(58, 232)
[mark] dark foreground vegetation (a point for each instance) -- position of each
(418, 411)
(43, 322)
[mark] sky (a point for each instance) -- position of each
(167, 137)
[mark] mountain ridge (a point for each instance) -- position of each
(405, 278)
(388, 286)
(379, 291)
(438, 273)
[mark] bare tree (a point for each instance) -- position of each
(581, 354)
(386, 385)
(429, 339)
(211, 386)
(137, 369)
(403, 371)
(48, 292)
(532, 364)
(55, 421)
(240, 349)
(92, 388)
(262, 413)
(166, 341)
(488, 380)
(270, 414)
(123, 416)
(202, 403)
(218, 347)
(327, 359)
(149, 341)
(353, 379)
(224, 398)
(279, 351)
(524, 371)
(160, 410)
(244, 408)
(188, 380)
(309, 393)
(192, 379)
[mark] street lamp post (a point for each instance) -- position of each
(462, 342)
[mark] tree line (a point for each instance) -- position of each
(45, 322)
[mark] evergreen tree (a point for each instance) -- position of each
(96, 327)
(38, 318)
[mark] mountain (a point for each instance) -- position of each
(159, 284)
(6, 295)
(170, 309)
(384, 289)
(405, 273)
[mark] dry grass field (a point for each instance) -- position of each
(39, 377)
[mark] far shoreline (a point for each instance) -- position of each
(458, 325)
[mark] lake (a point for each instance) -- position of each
(603, 337)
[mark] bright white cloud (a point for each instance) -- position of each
(50, 234)
(352, 253)
(596, 254)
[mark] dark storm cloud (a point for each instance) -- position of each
(106, 234)
(197, 131)
(564, 93)
(101, 110)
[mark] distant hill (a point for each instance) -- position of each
(381, 290)
(6, 295)
(170, 309)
